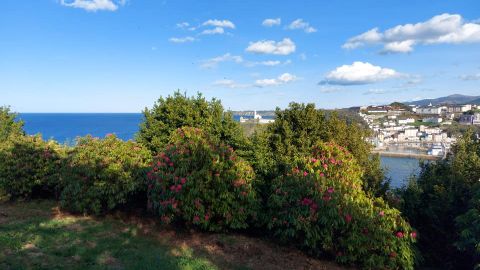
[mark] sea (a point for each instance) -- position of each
(66, 127)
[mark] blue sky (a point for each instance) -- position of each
(121, 55)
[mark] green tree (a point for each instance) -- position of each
(298, 128)
(177, 111)
(441, 194)
(8, 124)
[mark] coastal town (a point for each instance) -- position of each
(417, 131)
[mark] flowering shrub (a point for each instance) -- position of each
(200, 182)
(101, 174)
(320, 205)
(29, 166)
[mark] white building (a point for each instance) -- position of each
(459, 108)
(435, 120)
(429, 110)
(406, 121)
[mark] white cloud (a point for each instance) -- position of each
(213, 62)
(284, 47)
(302, 25)
(471, 77)
(183, 25)
(268, 63)
(271, 22)
(444, 28)
(94, 5)
(375, 92)
(282, 79)
(181, 40)
(230, 84)
(359, 73)
(219, 23)
(214, 31)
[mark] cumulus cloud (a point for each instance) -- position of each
(359, 73)
(213, 62)
(282, 79)
(94, 5)
(444, 28)
(181, 39)
(220, 23)
(284, 47)
(471, 77)
(302, 25)
(214, 31)
(271, 22)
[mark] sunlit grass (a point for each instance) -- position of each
(32, 239)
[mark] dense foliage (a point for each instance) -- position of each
(101, 174)
(8, 124)
(169, 114)
(298, 128)
(320, 205)
(29, 166)
(203, 182)
(443, 205)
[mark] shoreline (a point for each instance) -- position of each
(405, 155)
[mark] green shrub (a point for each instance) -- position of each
(321, 206)
(177, 111)
(29, 166)
(468, 226)
(439, 202)
(9, 126)
(298, 128)
(101, 174)
(199, 181)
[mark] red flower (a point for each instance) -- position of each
(399, 234)
(183, 180)
(327, 197)
(207, 217)
(381, 213)
(325, 166)
(413, 235)
(393, 254)
(330, 190)
(322, 174)
(348, 218)
(305, 173)
(196, 219)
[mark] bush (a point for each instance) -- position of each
(298, 128)
(102, 174)
(9, 126)
(29, 166)
(201, 182)
(320, 204)
(468, 226)
(440, 201)
(177, 111)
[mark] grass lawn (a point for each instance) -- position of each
(30, 238)
(37, 235)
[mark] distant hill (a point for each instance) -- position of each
(452, 99)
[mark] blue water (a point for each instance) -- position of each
(400, 169)
(65, 127)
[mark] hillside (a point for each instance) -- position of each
(452, 99)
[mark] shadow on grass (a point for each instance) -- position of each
(32, 239)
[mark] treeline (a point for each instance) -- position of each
(308, 179)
